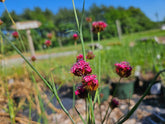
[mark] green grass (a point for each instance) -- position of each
(143, 54)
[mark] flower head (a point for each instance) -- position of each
(90, 55)
(48, 43)
(15, 34)
(114, 103)
(81, 92)
(90, 82)
(88, 19)
(49, 35)
(81, 68)
(75, 36)
(98, 26)
(33, 58)
(1, 22)
(80, 57)
(123, 69)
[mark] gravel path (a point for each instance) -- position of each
(17, 61)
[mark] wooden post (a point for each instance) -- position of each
(118, 29)
(32, 51)
(27, 25)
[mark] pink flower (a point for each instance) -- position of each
(114, 103)
(75, 36)
(123, 69)
(90, 82)
(80, 57)
(81, 68)
(98, 26)
(90, 55)
(81, 92)
(88, 19)
(48, 43)
(1, 22)
(15, 34)
(49, 35)
(33, 58)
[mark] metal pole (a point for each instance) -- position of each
(119, 29)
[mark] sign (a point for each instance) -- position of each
(26, 25)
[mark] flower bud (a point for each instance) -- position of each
(15, 34)
(88, 19)
(48, 43)
(114, 103)
(75, 36)
(33, 58)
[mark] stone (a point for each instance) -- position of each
(130, 121)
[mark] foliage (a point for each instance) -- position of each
(131, 19)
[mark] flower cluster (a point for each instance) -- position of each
(123, 69)
(98, 26)
(1, 22)
(89, 81)
(81, 68)
(75, 36)
(90, 55)
(88, 19)
(15, 34)
(48, 43)
(49, 35)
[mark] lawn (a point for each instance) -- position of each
(129, 49)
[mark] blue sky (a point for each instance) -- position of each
(149, 7)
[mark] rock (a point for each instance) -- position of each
(123, 107)
(130, 121)
(96, 46)
(156, 89)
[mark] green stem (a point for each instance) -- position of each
(106, 114)
(59, 101)
(90, 27)
(73, 95)
(80, 115)
(34, 69)
(111, 100)
(40, 102)
(87, 112)
(100, 112)
(97, 94)
(12, 20)
(79, 27)
(91, 108)
(99, 70)
(75, 13)
(109, 115)
(10, 101)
